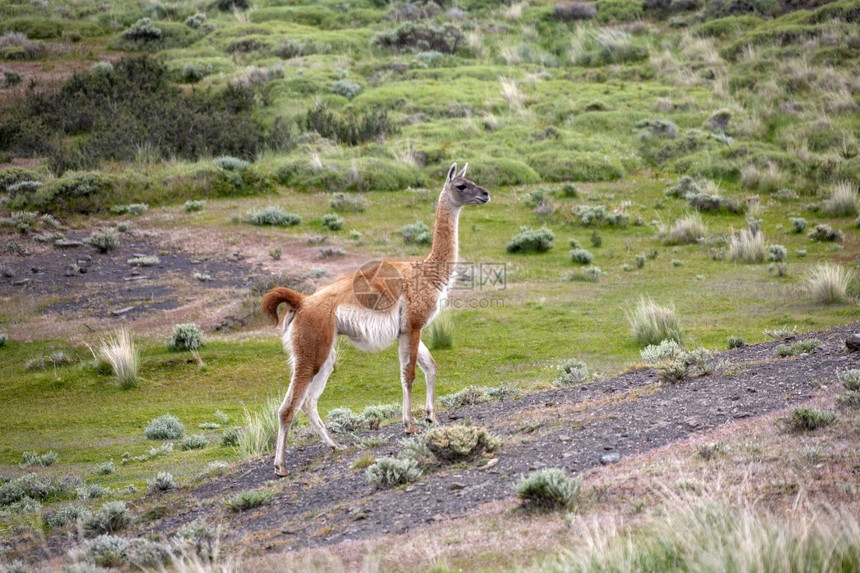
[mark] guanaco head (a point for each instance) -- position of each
(462, 191)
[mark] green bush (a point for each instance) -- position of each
(735, 342)
(548, 489)
(162, 482)
(531, 241)
(35, 459)
(581, 256)
(805, 419)
(246, 500)
(104, 241)
(850, 379)
(185, 337)
(332, 222)
(421, 37)
(194, 205)
(349, 130)
(65, 515)
(193, 442)
(143, 30)
(416, 234)
(618, 10)
(111, 517)
(275, 216)
(667, 349)
(566, 166)
(573, 371)
(796, 349)
(500, 171)
(798, 224)
(389, 472)
(4, 338)
(165, 427)
(344, 421)
(823, 232)
(459, 442)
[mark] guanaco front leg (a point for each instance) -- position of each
(409, 343)
(428, 366)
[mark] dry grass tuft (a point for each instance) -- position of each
(120, 352)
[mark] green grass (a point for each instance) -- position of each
(540, 138)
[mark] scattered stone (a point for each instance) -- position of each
(564, 439)
(122, 311)
(750, 389)
(8, 273)
(612, 458)
(68, 244)
(137, 278)
(21, 282)
(608, 448)
(493, 462)
(438, 517)
(457, 486)
(739, 415)
(853, 342)
(693, 423)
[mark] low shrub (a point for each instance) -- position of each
(165, 427)
(111, 517)
(531, 241)
(29, 459)
(573, 11)
(591, 214)
(332, 222)
(822, 232)
(350, 130)
(416, 234)
(193, 442)
(193, 205)
(850, 379)
(421, 37)
(581, 256)
(103, 241)
(776, 253)
(275, 216)
(344, 421)
(652, 324)
(373, 416)
(666, 350)
(798, 224)
(389, 472)
(459, 442)
(185, 337)
(246, 500)
(805, 419)
(343, 203)
(162, 482)
(573, 371)
(130, 209)
(796, 349)
(105, 468)
(735, 342)
(548, 489)
(345, 88)
(65, 515)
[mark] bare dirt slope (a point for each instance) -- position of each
(325, 501)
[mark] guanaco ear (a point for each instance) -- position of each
(451, 172)
(463, 172)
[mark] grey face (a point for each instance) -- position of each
(464, 191)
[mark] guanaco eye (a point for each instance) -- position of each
(461, 186)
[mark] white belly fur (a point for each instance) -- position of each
(369, 330)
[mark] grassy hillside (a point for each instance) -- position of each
(657, 136)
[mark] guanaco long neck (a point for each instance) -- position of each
(439, 264)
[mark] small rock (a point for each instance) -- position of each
(68, 244)
(735, 397)
(853, 342)
(35, 270)
(739, 415)
(564, 439)
(457, 485)
(608, 448)
(438, 517)
(8, 273)
(410, 488)
(612, 458)
(21, 282)
(493, 462)
(693, 423)
(121, 311)
(750, 389)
